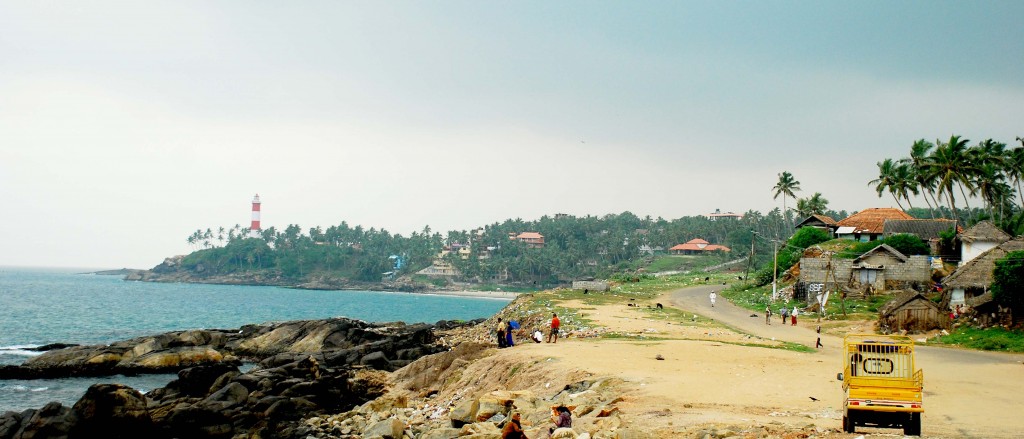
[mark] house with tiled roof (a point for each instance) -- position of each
(532, 239)
(697, 246)
(868, 224)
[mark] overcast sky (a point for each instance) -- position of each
(125, 126)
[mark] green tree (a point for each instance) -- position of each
(815, 205)
(950, 165)
(786, 186)
(1008, 281)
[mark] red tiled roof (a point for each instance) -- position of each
(698, 245)
(530, 235)
(873, 220)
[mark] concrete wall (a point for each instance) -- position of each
(913, 274)
(591, 285)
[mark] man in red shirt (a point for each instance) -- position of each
(553, 335)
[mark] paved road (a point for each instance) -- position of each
(967, 393)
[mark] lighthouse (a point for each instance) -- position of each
(254, 229)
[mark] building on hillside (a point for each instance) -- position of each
(697, 246)
(980, 238)
(532, 239)
(868, 224)
(822, 222)
(968, 285)
(726, 215)
(926, 229)
(912, 312)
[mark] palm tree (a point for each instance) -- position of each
(950, 165)
(887, 180)
(1015, 168)
(815, 205)
(918, 163)
(785, 187)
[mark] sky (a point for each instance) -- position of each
(126, 126)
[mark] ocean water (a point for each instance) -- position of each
(42, 306)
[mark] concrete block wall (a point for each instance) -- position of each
(591, 285)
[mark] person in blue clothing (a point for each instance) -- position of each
(508, 334)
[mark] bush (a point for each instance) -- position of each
(1008, 280)
(808, 236)
(908, 244)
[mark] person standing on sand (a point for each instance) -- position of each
(555, 323)
(817, 344)
(793, 315)
(513, 429)
(784, 312)
(500, 329)
(768, 315)
(713, 296)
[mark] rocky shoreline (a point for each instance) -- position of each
(304, 368)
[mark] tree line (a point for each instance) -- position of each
(946, 171)
(575, 247)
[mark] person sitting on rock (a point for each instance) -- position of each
(562, 418)
(513, 428)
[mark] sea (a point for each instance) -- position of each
(40, 306)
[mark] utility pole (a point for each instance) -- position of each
(750, 260)
(775, 266)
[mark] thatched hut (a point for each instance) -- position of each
(973, 279)
(980, 238)
(912, 312)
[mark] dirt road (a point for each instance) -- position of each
(968, 394)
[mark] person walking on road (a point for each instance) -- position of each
(713, 296)
(784, 312)
(768, 314)
(817, 344)
(793, 315)
(553, 335)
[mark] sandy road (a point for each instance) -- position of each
(967, 393)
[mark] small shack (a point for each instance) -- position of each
(912, 312)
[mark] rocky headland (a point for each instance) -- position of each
(172, 270)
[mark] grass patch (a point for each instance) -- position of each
(989, 339)
(755, 298)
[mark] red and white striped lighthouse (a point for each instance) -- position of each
(254, 229)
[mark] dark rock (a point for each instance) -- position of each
(196, 381)
(52, 346)
(104, 405)
(376, 360)
(197, 422)
(9, 424)
(53, 421)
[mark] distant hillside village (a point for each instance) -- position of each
(932, 267)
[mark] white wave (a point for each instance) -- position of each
(20, 352)
(18, 347)
(39, 389)
(18, 388)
